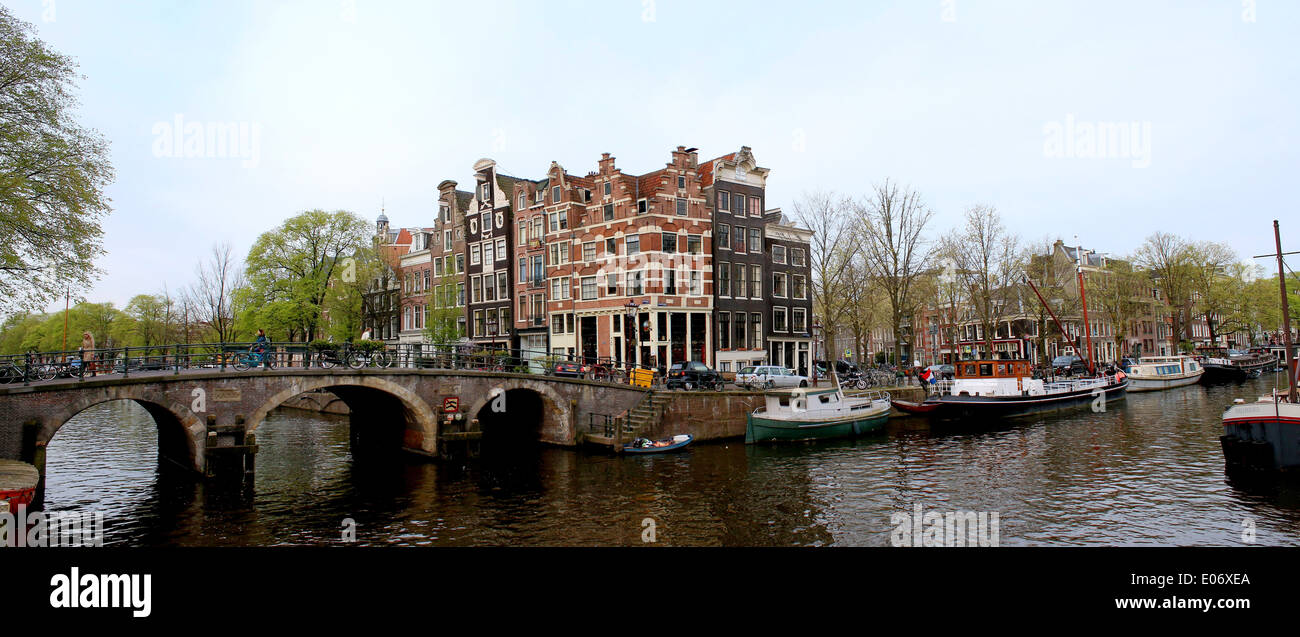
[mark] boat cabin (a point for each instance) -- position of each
(994, 369)
(1164, 366)
(994, 378)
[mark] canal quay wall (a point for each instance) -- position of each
(723, 415)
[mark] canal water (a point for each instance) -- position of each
(1148, 471)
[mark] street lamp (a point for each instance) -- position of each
(818, 346)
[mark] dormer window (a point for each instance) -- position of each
(486, 192)
(609, 188)
(555, 194)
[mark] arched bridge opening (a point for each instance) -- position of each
(512, 420)
(107, 443)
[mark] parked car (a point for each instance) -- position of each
(769, 377)
(569, 369)
(842, 368)
(943, 372)
(693, 375)
(1068, 365)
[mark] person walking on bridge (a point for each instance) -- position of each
(88, 352)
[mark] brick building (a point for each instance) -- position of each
(735, 187)
(789, 335)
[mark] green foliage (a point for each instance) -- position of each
(292, 269)
(321, 345)
(52, 175)
(369, 346)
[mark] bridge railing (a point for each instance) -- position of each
(240, 356)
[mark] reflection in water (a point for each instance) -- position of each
(1147, 471)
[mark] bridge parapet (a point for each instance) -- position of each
(398, 406)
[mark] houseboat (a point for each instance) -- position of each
(1265, 435)
(816, 414)
(985, 389)
(1153, 373)
(1222, 364)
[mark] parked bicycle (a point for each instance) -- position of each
(10, 372)
(356, 359)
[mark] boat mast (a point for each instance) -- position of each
(1087, 329)
(1286, 318)
(1047, 307)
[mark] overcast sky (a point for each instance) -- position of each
(994, 102)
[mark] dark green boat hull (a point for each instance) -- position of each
(760, 429)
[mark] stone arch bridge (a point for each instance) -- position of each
(205, 415)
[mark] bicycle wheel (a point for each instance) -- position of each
(327, 360)
(240, 364)
(382, 359)
(356, 360)
(47, 371)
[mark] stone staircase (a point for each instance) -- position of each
(642, 418)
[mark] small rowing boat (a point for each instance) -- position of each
(642, 445)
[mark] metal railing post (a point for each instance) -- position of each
(81, 369)
(126, 362)
(27, 369)
(221, 354)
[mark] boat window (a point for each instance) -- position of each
(986, 369)
(1002, 369)
(970, 370)
(784, 401)
(825, 399)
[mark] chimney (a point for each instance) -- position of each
(606, 164)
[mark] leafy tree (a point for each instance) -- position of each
(1120, 295)
(52, 175)
(289, 271)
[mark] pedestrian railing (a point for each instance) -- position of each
(241, 356)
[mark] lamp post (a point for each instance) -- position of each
(817, 348)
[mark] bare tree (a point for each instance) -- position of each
(831, 255)
(1168, 258)
(890, 233)
(989, 263)
(1120, 293)
(1055, 280)
(211, 294)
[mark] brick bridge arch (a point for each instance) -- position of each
(192, 406)
(364, 395)
(181, 432)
